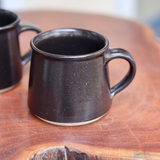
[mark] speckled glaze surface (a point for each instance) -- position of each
(10, 60)
(71, 85)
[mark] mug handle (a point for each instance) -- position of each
(25, 26)
(121, 53)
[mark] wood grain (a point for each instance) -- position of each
(131, 129)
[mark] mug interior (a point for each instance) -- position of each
(7, 18)
(69, 42)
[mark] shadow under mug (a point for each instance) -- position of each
(69, 81)
(10, 60)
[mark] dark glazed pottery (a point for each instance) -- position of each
(69, 76)
(10, 60)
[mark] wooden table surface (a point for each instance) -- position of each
(131, 129)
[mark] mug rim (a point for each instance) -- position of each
(68, 57)
(14, 23)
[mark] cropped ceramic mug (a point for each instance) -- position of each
(69, 76)
(10, 60)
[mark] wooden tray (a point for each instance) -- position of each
(131, 129)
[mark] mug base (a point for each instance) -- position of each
(71, 124)
(9, 88)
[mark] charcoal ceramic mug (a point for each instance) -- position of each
(10, 60)
(69, 81)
